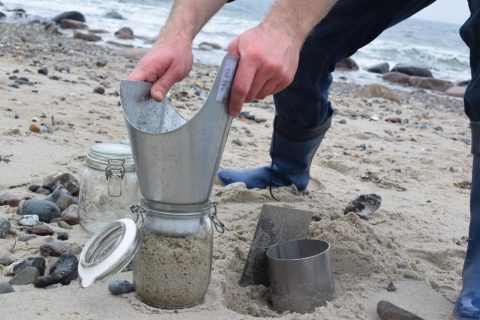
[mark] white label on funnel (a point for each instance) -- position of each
(226, 80)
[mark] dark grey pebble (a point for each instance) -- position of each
(33, 187)
(26, 237)
(63, 271)
(4, 228)
(54, 78)
(117, 287)
(62, 235)
(25, 276)
(246, 115)
(55, 249)
(5, 260)
(45, 210)
(65, 180)
(62, 198)
(342, 121)
(389, 311)
(43, 191)
(6, 287)
(99, 90)
(43, 71)
(364, 205)
(391, 287)
(71, 15)
(35, 262)
(101, 63)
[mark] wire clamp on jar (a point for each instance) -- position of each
(114, 176)
(219, 225)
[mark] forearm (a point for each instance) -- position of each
(187, 18)
(296, 18)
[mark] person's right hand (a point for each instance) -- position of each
(168, 61)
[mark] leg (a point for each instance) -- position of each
(468, 302)
(303, 110)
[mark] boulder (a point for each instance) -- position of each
(125, 33)
(347, 64)
(430, 83)
(456, 91)
(413, 70)
(380, 68)
(71, 15)
(396, 77)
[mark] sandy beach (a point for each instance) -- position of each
(410, 146)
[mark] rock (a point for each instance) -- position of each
(394, 120)
(125, 33)
(114, 15)
(33, 187)
(117, 287)
(456, 91)
(71, 15)
(413, 70)
(35, 262)
(391, 287)
(8, 199)
(98, 31)
(6, 287)
(430, 83)
(63, 271)
(246, 115)
(45, 210)
(101, 63)
(342, 121)
(132, 53)
(379, 91)
(99, 90)
(91, 37)
(4, 228)
(29, 220)
(64, 225)
(35, 128)
(26, 237)
(24, 277)
(72, 24)
(43, 191)
(62, 235)
(5, 261)
(55, 249)
(209, 46)
(380, 68)
(364, 205)
(2, 15)
(62, 179)
(347, 64)
(43, 71)
(40, 230)
(389, 311)
(62, 198)
(396, 77)
(70, 215)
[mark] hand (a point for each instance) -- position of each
(167, 62)
(267, 65)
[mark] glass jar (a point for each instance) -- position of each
(108, 186)
(173, 265)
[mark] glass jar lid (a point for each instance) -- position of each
(113, 155)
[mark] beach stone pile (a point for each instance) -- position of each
(54, 201)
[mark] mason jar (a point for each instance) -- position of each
(108, 186)
(173, 265)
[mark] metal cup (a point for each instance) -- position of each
(301, 275)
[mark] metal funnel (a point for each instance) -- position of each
(176, 160)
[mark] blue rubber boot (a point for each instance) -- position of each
(292, 150)
(468, 302)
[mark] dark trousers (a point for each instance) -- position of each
(350, 25)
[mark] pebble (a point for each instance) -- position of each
(33, 187)
(364, 205)
(70, 215)
(43, 71)
(40, 230)
(55, 249)
(65, 180)
(43, 191)
(4, 228)
(91, 37)
(6, 287)
(29, 220)
(34, 128)
(62, 235)
(35, 262)
(64, 225)
(63, 271)
(117, 287)
(101, 63)
(342, 121)
(26, 237)
(391, 287)
(8, 199)
(45, 210)
(24, 277)
(72, 15)
(389, 311)
(114, 15)
(61, 197)
(125, 33)
(99, 90)
(5, 260)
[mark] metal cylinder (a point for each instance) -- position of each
(301, 275)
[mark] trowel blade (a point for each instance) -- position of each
(275, 225)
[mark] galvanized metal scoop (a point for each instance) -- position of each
(176, 160)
